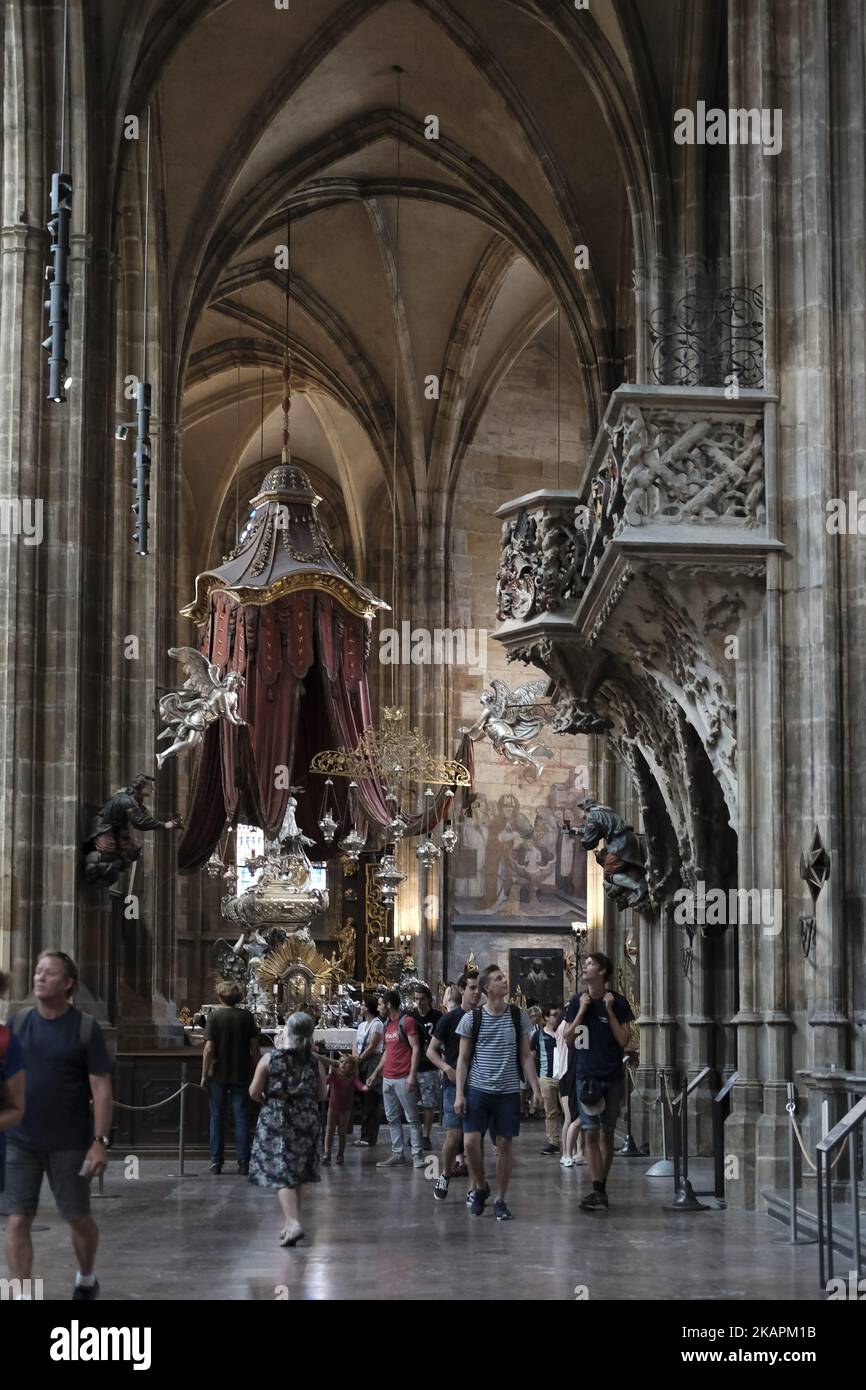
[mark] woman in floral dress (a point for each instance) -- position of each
(290, 1084)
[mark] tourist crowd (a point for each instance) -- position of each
(476, 1063)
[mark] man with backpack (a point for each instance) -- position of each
(66, 1066)
(444, 1053)
(494, 1050)
(399, 1068)
(604, 1018)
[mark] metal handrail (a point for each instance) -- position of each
(845, 1129)
(684, 1198)
(690, 1086)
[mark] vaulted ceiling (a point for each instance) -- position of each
(269, 116)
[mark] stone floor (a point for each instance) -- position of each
(203, 1237)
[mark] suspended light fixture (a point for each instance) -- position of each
(353, 843)
(141, 423)
(217, 864)
(57, 303)
(450, 836)
(389, 878)
(327, 819)
(428, 852)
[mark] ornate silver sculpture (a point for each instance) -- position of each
(513, 719)
(202, 699)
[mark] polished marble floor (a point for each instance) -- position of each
(204, 1237)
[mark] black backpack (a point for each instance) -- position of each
(515, 1019)
(84, 1032)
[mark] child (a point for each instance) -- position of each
(290, 1084)
(342, 1085)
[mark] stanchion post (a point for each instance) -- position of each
(819, 1160)
(676, 1140)
(684, 1197)
(629, 1148)
(180, 1136)
(855, 1198)
(664, 1167)
(684, 1136)
(792, 1237)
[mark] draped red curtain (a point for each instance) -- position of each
(303, 658)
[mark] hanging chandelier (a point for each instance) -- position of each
(399, 759)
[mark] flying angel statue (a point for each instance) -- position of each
(202, 699)
(512, 719)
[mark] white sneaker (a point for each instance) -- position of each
(418, 1161)
(393, 1162)
(566, 1162)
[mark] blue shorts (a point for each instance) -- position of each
(494, 1111)
(607, 1118)
(449, 1119)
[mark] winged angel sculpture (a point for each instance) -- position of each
(202, 699)
(513, 719)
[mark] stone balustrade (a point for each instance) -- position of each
(677, 473)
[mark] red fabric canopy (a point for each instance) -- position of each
(303, 658)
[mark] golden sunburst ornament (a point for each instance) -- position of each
(288, 956)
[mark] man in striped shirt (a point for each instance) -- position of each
(494, 1049)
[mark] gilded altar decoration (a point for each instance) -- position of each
(287, 956)
(378, 945)
(393, 755)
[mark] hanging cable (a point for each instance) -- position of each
(558, 399)
(63, 85)
(286, 453)
(399, 73)
(262, 420)
(237, 452)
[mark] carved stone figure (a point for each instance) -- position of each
(203, 698)
(110, 847)
(574, 717)
(515, 581)
(512, 719)
(621, 859)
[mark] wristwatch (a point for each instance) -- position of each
(102, 1139)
